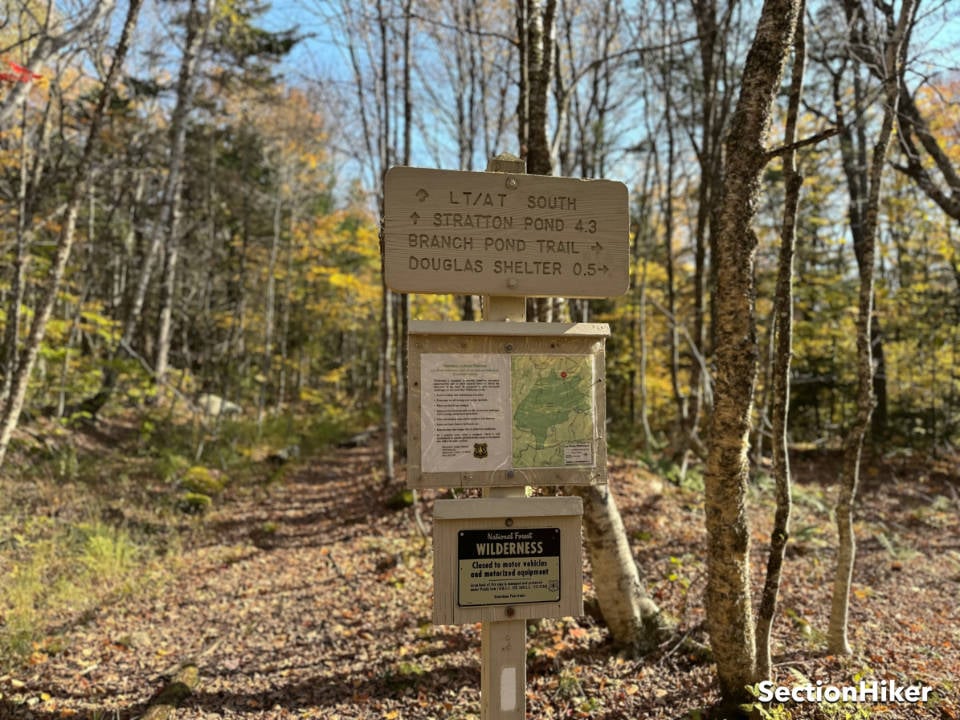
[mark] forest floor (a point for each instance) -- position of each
(310, 598)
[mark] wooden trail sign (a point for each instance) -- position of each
(503, 403)
(504, 234)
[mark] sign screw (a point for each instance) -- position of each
(508, 522)
(512, 183)
(510, 612)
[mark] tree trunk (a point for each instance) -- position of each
(728, 597)
(783, 343)
(269, 312)
(387, 329)
(171, 189)
(837, 642)
(11, 335)
(634, 620)
(198, 24)
(78, 188)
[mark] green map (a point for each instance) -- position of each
(553, 414)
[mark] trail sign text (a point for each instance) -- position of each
(508, 566)
(504, 234)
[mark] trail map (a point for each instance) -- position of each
(553, 420)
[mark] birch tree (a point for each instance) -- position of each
(888, 63)
(198, 20)
(783, 348)
(728, 593)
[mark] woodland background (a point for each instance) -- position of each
(194, 257)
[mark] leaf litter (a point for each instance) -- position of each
(311, 599)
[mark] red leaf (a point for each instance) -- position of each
(20, 73)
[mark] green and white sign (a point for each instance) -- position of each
(485, 411)
(553, 410)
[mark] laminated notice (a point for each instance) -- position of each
(490, 411)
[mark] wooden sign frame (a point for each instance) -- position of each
(519, 563)
(463, 429)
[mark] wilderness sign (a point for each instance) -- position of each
(508, 566)
(507, 558)
(504, 234)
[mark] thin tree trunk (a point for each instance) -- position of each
(668, 233)
(285, 315)
(728, 595)
(386, 309)
(269, 312)
(198, 26)
(783, 342)
(78, 188)
(633, 618)
(171, 190)
(168, 290)
(403, 304)
(837, 642)
(29, 181)
(11, 335)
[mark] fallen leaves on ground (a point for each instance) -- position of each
(311, 599)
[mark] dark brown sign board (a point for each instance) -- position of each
(504, 234)
(501, 404)
(507, 559)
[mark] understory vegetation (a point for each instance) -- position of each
(95, 512)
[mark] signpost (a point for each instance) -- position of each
(502, 404)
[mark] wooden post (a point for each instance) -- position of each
(503, 643)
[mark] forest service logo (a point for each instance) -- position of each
(480, 450)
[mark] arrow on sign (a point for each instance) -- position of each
(597, 247)
(415, 217)
(604, 269)
(422, 194)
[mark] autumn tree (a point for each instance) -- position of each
(926, 153)
(865, 241)
(13, 403)
(43, 33)
(728, 594)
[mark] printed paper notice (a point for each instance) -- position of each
(464, 420)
